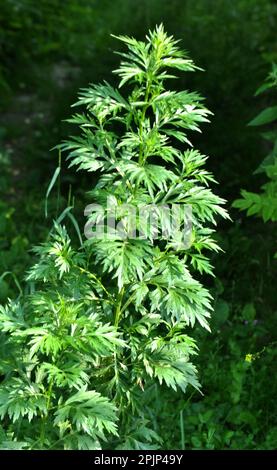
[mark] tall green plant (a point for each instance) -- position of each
(105, 322)
(264, 203)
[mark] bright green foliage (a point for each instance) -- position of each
(264, 204)
(104, 323)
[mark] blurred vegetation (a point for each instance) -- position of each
(48, 50)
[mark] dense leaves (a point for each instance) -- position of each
(264, 203)
(103, 322)
(47, 52)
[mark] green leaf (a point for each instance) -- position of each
(265, 117)
(88, 412)
(249, 312)
(50, 187)
(221, 312)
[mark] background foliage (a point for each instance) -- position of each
(48, 51)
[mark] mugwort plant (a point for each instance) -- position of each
(104, 325)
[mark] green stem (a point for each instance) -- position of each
(183, 446)
(114, 161)
(127, 303)
(148, 86)
(95, 278)
(118, 311)
(59, 184)
(44, 419)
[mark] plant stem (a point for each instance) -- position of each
(183, 445)
(92, 276)
(148, 86)
(118, 307)
(59, 184)
(44, 419)
(127, 303)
